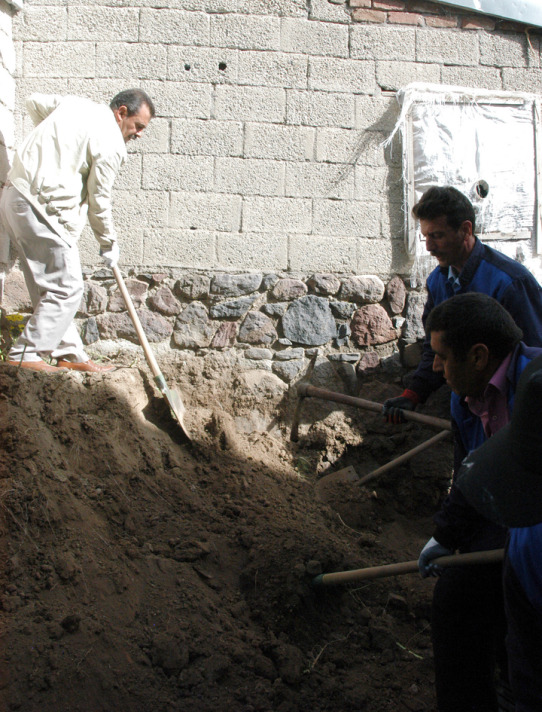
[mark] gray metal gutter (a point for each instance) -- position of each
(526, 11)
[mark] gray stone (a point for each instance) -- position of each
(372, 325)
(398, 321)
(90, 333)
(325, 284)
(193, 286)
(342, 310)
(94, 300)
(137, 291)
(235, 285)
(193, 329)
(275, 308)
(225, 335)
(309, 321)
(119, 326)
(343, 332)
(163, 301)
(257, 328)
(288, 370)
(348, 358)
(258, 354)
(413, 329)
(235, 308)
(269, 281)
(363, 290)
(284, 342)
(289, 354)
(288, 289)
(396, 293)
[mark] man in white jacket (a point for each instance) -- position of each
(62, 173)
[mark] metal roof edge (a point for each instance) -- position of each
(525, 11)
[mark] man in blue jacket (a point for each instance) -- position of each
(503, 480)
(447, 221)
(478, 351)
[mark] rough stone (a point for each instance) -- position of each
(269, 281)
(413, 329)
(193, 286)
(343, 332)
(325, 284)
(258, 354)
(288, 370)
(137, 291)
(345, 357)
(163, 301)
(225, 335)
(411, 354)
(193, 329)
(372, 325)
(275, 308)
(232, 309)
(119, 326)
(90, 333)
(94, 300)
(288, 289)
(363, 290)
(309, 321)
(257, 328)
(235, 285)
(369, 361)
(16, 297)
(289, 354)
(396, 293)
(342, 310)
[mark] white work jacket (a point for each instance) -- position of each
(67, 165)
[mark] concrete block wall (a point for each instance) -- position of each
(266, 154)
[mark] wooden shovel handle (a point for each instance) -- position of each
(304, 389)
(408, 567)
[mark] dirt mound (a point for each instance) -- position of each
(142, 573)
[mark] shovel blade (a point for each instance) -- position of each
(177, 408)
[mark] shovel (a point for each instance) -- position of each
(172, 398)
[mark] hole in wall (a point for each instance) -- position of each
(222, 66)
(482, 189)
(187, 67)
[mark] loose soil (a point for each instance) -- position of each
(144, 573)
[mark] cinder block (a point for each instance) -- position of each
(155, 138)
(339, 145)
(346, 218)
(174, 26)
(98, 89)
(103, 24)
(250, 103)
(136, 210)
(479, 77)
(328, 11)
(311, 37)
(59, 59)
(202, 64)
(180, 99)
(273, 69)
(247, 250)
(381, 42)
(509, 50)
(447, 47)
(319, 180)
(372, 182)
(198, 137)
(245, 32)
(43, 24)
(317, 253)
(391, 76)
(180, 248)
(342, 75)
(7, 82)
(320, 109)
(141, 61)
(287, 215)
(130, 175)
(171, 172)
(283, 143)
(377, 113)
(248, 176)
(205, 211)
(529, 80)
(382, 257)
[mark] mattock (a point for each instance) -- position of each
(294, 432)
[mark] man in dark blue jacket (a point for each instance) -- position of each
(478, 351)
(447, 221)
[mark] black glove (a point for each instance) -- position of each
(393, 409)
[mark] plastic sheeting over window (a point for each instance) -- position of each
(483, 143)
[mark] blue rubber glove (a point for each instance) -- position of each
(110, 255)
(432, 550)
(393, 408)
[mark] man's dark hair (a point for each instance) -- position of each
(474, 318)
(132, 99)
(445, 200)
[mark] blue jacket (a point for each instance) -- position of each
(458, 525)
(490, 272)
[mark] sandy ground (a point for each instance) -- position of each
(141, 572)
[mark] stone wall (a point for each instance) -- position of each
(7, 106)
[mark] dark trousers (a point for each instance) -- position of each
(524, 644)
(468, 628)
